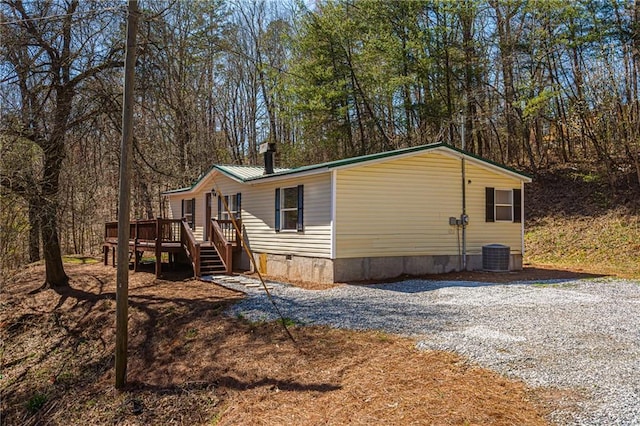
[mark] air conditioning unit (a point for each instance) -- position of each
(495, 257)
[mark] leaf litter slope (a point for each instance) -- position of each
(190, 364)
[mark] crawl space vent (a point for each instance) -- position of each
(495, 257)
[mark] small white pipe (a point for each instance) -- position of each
(464, 199)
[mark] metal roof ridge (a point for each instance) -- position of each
(225, 168)
(352, 160)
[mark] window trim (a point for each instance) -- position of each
(280, 210)
(515, 205)
(191, 216)
(284, 210)
(496, 204)
(235, 204)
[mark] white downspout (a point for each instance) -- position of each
(334, 179)
(522, 218)
(464, 199)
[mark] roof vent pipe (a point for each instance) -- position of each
(268, 149)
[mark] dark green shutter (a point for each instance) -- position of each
(193, 213)
(300, 224)
(219, 207)
(517, 205)
(238, 205)
(182, 210)
(277, 209)
(490, 210)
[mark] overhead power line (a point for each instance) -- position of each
(56, 17)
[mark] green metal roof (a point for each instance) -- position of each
(381, 155)
(247, 172)
(255, 173)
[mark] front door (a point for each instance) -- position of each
(207, 216)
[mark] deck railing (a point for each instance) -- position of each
(147, 230)
(191, 246)
(229, 231)
(158, 232)
(223, 246)
(154, 233)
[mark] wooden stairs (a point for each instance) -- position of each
(210, 262)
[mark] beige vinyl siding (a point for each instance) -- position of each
(175, 210)
(175, 207)
(258, 213)
(402, 208)
(258, 216)
(398, 208)
(479, 232)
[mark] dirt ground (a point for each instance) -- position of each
(190, 364)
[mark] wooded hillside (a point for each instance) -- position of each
(543, 86)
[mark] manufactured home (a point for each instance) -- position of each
(419, 210)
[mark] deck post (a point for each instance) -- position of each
(135, 256)
(197, 261)
(105, 251)
(135, 248)
(229, 265)
(113, 256)
(158, 248)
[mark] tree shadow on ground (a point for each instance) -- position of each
(178, 336)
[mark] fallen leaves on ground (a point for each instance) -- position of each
(191, 364)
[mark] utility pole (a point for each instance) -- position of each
(124, 199)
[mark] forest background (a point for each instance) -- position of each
(549, 87)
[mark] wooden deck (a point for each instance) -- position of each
(157, 235)
(175, 236)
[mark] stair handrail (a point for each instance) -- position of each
(222, 246)
(191, 246)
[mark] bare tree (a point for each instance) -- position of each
(50, 50)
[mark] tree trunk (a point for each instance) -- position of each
(55, 275)
(466, 19)
(34, 231)
(145, 194)
(506, 45)
(54, 153)
(406, 93)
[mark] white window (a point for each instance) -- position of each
(233, 202)
(188, 209)
(504, 205)
(289, 209)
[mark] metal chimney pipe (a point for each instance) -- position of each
(268, 149)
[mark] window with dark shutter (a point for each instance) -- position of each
(489, 198)
(277, 210)
(290, 209)
(300, 224)
(193, 213)
(232, 203)
(517, 205)
(503, 205)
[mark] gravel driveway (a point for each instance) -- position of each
(583, 335)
